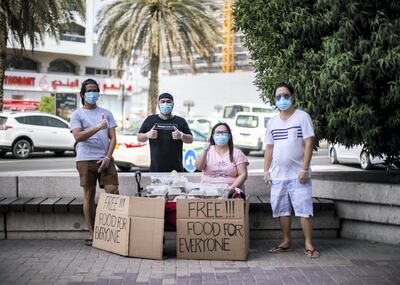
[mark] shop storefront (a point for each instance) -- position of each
(31, 87)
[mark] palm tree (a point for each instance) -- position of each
(160, 28)
(28, 21)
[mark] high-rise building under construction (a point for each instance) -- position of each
(231, 55)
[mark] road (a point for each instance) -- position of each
(48, 162)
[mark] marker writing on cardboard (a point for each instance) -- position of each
(114, 203)
(205, 236)
(210, 209)
(109, 227)
(230, 208)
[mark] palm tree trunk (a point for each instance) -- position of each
(3, 54)
(153, 86)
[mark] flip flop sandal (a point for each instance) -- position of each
(88, 242)
(312, 253)
(278, 249)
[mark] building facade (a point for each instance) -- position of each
(58, 69)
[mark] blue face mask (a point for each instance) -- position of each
(91, 97)
(221, 139)
(166, 108)
(284, 104)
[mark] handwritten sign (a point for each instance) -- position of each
(112, 224)
(212, 229)
(130, 226)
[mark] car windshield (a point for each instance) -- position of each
(3, 120)
(230, 111)
(247, 121)
(198, 137)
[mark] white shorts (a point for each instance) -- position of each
(288, 194)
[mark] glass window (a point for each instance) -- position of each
(90, 70)
(55, 123)
(230, 111)
(62, 65)
(3, 120)
(198, 137)
(265, 122)
(262, 110)
(31, 120)
(21, 63)
(247, 121)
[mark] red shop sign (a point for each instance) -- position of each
(19, 80)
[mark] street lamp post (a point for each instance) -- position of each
(188, 104)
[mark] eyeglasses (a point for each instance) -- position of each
(285, 95)
(220, 133)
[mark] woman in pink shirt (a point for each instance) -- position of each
(221, 162)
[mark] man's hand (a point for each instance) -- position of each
(152, 134)
(303, 176)
(104, 163)
(177, 134)
(103, 124)
(267, 178)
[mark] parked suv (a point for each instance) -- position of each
(22, 133)
(249, 131)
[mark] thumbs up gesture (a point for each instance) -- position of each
(152, 134)
(177, 134)
(103, 124)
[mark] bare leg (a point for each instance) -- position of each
(285, 223)
(88, 208)
(306, 225)
(111, 189)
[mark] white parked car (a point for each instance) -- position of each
(25, 132)
(129, 152)
(249, 130)
(357, 154)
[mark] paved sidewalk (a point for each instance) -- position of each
(71, 262)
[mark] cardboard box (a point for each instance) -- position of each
(214, 229)
(130, 226)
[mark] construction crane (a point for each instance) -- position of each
(228, 36)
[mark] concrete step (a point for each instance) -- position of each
(385, 214)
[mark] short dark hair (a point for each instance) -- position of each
(83, 88)
(286, 85)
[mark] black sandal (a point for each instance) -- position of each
(278, 249)
(312, 253)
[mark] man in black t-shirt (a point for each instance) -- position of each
(166, 134)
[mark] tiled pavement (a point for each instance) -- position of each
(71, 262)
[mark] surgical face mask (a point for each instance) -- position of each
(221, 138)
(166, 108)
(283, 104)
(91, 97)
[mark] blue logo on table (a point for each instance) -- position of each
(189, 160)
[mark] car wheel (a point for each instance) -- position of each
(365, 162)
(124, 168)
(59, 152)
(333, 156)
(22, 149)
(246, 151)
(3, 153)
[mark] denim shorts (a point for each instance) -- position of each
(288, 194)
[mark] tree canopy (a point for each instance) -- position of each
(341, 56)
(160, 29)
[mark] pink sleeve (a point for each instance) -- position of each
(240, 157)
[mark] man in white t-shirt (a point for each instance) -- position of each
(290, 141)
